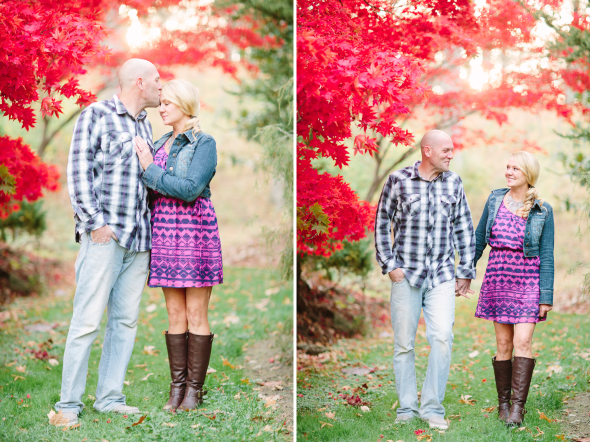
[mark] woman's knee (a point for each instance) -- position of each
(176, 315)
(522, 344)
(196, 316)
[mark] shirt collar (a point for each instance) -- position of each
(416, 173)
(122, 110)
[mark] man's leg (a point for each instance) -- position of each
(97, 268)
(439, 315)
(122, 311)
(406, 303)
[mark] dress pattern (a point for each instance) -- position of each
(510, 290)
(186, 250)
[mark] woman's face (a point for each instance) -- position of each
(170, 113)
(514, 176)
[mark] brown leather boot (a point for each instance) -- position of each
(522, 372)
(177, 353)
(199, 352)
(503, 374)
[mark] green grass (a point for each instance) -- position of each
(223, 416)
(320, 380)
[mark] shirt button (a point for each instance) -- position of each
(174, 155)
(172, 168)
(527, 243)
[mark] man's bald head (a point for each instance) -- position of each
(132, 70)
(437, 151)
(434, 139)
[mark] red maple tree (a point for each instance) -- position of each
(341, 44)
(49, 46)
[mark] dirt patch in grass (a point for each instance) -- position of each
(576, 417)
(270, 367)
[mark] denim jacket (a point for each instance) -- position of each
(189, 169)
(538, 238)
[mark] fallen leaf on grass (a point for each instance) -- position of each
(560, 437)
(262, 304)
(146, 378)
(227, 363)
(473, 354)
(394, 405)
(324, 424)
(21, 368)
(141, 366)
(169, 424)
(331, 415)
(365, 408)
(540, 433)
(151, 308)
(272, 291)
(489, 409)
(10, 364)
(195, 426)
(425, 437)
(466, 399)
(126, 382)
(150, 350)
(74, 426)
(57, 419)
(141, 419)
(554, 369)
(211, 370)
(270, 384)
(231, 319)
(91, 397)
(17, 377)
(267, 428)
(53, 361)
(543, 416)
(455, 416)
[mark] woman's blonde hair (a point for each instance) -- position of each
(529, 166)
(186, 96)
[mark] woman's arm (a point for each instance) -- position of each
(547, 266)
(480, 233)
(200, 172)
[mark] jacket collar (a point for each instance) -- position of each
(504, 191)
(122, 110)
(188, 135)
(416, 174)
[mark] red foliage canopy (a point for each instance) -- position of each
(366, 66)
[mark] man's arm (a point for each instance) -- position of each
(383, 217)
(464, 242)
(80, 171)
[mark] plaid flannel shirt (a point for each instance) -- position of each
(431, 219)
(104, 174)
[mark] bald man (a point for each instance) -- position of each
(113, 227)
(431, 221)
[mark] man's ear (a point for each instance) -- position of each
(427, 150)
(139, 83)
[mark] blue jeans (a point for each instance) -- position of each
(107, 275)
(439, 315)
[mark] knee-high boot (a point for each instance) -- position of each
(199, 353)
(522, 373)
(177, 352)
(503, 375)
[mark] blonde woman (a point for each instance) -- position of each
(186, 251)
(517, 290)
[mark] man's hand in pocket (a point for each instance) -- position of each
(102, 235)
(397, 275)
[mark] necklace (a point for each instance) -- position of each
(513, 206)
(168, 143)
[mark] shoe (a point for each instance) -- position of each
(199, 353)
(503, 374)
(402, 419)
(437, 422)
(177, 347)
(522, 373)
(71, 417)
(126, 409)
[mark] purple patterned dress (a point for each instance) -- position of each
(510, 290)
(186, 250)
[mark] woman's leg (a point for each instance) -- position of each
(200, 341)
(177, 309)
(502, 364)
(197, 307)
(504, 341)
(176, 344)
(522, 371)
(523, 340)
